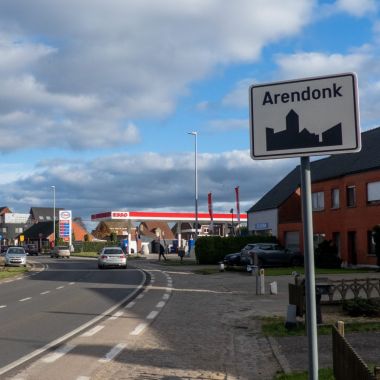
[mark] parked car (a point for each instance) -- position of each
(60, 251)
(234, 260)
(31, 249)
(271, 254)
(112, 257)
(15, 256)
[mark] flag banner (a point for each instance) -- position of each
(237, 203)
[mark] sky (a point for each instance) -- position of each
(97, 97)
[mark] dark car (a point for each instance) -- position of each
(236, 260)
(31, 249)
(271, 254)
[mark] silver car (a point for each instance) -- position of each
(112, 257)
(15, 256)
(60, 251)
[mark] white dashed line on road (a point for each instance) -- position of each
(161, 304)
(113, 353)
(116, 315)
(58, 353)
(45, 292)
(25, 299)
(153, 314)
(71, 283)
(60, 287)
(93, 331)
(130, 305)
(83, 378)
(2, 306)
(166, 296)
(140, 296)
(139, 329)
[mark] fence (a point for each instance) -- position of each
(347, 364)
(344, 289)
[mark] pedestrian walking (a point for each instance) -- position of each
(163, 250)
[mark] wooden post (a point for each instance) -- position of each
(377, 373)
(340, 327)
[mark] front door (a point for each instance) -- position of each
(351, 245)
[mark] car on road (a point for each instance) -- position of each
(31, 249)
(234, 260)
(15, 256)
(112, 257)
(271, 254)
(60, 251)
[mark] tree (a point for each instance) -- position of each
(376, 239)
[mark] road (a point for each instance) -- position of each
(40, 310)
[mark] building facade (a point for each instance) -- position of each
(345, 200)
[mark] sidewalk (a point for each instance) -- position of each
(227, 305)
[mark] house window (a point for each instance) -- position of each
(373, 192)
(370, 243)
(41, 217)
(318, 200)
(4, 229)
(18, 230)
(335, 198)
(351, 196)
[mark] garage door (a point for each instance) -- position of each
(292, 240)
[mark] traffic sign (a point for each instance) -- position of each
(305, 117)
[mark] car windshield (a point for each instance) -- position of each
(113, 251)
(16, 251)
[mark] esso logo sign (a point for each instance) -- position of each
(120, 214)
(65, 215)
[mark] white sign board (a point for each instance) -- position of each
(305, 117)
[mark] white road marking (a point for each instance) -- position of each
(166, 296)
(72, 283)
(70, 334)
(60, 287)
(130, 305)
(46, 292)
(114, 352)
(152, 282)
(161, 304)
(139, 329)
(83, 378)
(2, 306)
(93, 331)
(116, 315)
(140, 296)
(25, 299)
(58, 353)
(153, 314)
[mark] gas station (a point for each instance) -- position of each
(175, 217)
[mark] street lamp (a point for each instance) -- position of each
(53, 187)
(195, 134)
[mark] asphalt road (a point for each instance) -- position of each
(41, 308)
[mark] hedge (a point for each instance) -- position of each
(92, 246)
(212, 249)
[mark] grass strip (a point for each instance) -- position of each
(6, 272)
(323, 374)
(275, 326)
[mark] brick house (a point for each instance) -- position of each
(345, 198)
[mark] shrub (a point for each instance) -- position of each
(362, 307)
(92, 246)
(212, 249)
(326, 255)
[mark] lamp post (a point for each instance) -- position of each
(195, 134)
(53, 187)
(232, 221)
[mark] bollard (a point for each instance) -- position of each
(273, 287)
(221, 267)
(262, 281)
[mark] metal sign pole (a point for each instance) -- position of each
(307, 218)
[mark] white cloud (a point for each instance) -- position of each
(357, 7)
(146, 181)
(98, 65)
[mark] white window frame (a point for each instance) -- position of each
(335, 198)
(318, 200)
(373, 191)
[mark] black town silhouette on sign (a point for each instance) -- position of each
(293, 138)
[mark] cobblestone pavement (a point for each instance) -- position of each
(210, 329)
(203, 332)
